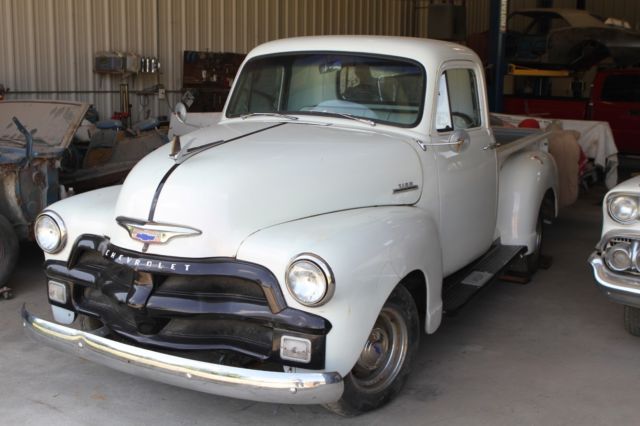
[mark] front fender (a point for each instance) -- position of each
(87, 213)
(369, 251)
(525, 178)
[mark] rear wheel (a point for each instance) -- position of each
(530, 263)
(385, 361)
(533, 260)
(9, 249)
(632, 320)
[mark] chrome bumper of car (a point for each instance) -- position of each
(620, 288)
(242, 383)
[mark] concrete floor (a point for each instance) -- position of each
(550, 352)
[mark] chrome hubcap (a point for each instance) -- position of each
(375, 350)
(384, 352)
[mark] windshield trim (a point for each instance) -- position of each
(423, 74)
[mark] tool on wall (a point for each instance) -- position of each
(128, 65)
(207, 78)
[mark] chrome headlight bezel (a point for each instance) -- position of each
(61, 227)
(614, 201)
(323, 267)
(626, 249)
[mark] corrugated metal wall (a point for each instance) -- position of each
(49, 45)
(477, 15)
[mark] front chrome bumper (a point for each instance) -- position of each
(620, 288)
(255, 385)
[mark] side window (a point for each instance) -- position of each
(443, 110)
(457, 99)
(621, 88)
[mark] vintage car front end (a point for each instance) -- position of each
(170, 278)
(213, 325)
(616, 260)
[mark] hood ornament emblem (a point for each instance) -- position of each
(154, 233)
(176, 147)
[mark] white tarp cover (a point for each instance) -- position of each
(596, 141)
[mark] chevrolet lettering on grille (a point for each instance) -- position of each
(146, 264)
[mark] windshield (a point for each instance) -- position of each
(377, 89)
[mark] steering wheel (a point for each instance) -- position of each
(462, 117)
(268, 98)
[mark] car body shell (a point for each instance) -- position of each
(580, 42)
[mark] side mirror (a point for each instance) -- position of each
(181, 112)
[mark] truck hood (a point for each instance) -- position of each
(264, 174)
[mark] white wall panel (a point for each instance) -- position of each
(48, 45)
(477, 16)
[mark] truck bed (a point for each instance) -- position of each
(512, 140)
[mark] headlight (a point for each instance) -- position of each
(623, 208)
(51, 234)
(310, 280)
(618, 257)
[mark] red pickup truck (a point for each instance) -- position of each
(615, 97)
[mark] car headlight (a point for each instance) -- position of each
(618, 257)
(310, 280)
(50, 232)
(623, 208)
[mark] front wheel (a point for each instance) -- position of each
(385, 361)
(632, 320)
(9, 248)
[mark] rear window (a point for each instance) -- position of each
(621, 88)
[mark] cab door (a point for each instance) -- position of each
(467, 165)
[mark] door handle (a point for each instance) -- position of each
(491, 146)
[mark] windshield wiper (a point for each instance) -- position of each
(268, 114)
(352, 117)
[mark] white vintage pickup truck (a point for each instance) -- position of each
(351, 193)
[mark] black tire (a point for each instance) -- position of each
(9, 250)
(385, 361)
(632, 320)
(530, 263)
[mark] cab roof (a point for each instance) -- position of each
(425, 51)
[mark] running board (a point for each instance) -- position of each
(460, 287)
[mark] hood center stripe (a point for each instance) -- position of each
(156, 196)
